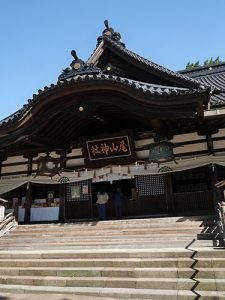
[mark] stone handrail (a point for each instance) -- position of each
(7, 223)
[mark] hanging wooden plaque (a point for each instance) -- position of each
(112, 149)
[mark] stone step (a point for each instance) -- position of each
(119, 293)
(167, 252)
(121, 233)
(114, 282)
(109, 239)
(98, 247)
(96, 272)
(133, 230)
(124, 232)
(52, 296)
(218, 273)
(117, 262)
(154, 244)
(154, 218)
(103, 240)
(102, 227)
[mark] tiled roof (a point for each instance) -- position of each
(213, 76)
(153, 66)
(150, 89)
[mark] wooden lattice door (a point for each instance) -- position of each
(152, 193)
(78, 200)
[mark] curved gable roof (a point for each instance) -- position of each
(176, 78)
(158, 95)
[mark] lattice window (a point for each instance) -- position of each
(78, 191)
(150, 184)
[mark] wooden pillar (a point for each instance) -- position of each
(16, 212)
(169, 193)
(217, 196)
(210, 144)
(29, 158)
(62, 197)
(30, 166)
(91, 199)
(28, 203)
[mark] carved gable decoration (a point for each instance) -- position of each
(48, 166)
(104, 150)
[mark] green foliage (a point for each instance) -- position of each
(207, 62)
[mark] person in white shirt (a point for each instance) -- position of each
(102, 199)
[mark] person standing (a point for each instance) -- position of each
(118, 201)
(102, 199)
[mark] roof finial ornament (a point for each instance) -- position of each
(109, 32)
(77, 63)
(106, 22)
(77, 67)
(74, 54)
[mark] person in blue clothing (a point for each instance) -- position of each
(118, 201)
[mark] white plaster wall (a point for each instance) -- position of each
(75, 152)
(187, 137)
(75, 162)
(190, 148)
(13, 169)
(220, 133)
(219, 144)
(15, 159)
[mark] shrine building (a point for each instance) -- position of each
(116, 120)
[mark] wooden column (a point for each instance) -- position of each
(91, 200)
(29, 158)
(30, 166)
(16, 212)
(210, 144)
(28, 203)
(169, 193)
(62, 194)
(217, 197)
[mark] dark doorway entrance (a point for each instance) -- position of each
(126, 186)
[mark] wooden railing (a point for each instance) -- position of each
(7, 223)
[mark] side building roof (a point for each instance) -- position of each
(212, 76)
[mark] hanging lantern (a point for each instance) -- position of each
(160, 152)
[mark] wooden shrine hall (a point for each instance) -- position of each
(116, 120)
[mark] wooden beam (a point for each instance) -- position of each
(46, 142)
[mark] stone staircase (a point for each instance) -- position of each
(157, 258)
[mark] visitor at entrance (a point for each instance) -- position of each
(118, 200)
(102, 199)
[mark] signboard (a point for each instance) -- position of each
(102, 151)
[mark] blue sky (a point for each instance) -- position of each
(38, 35)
